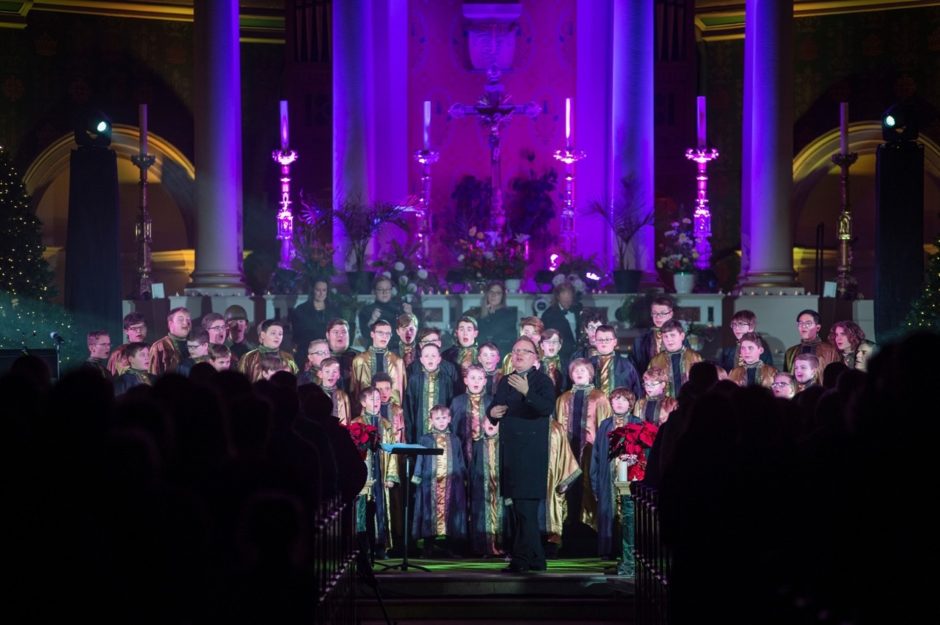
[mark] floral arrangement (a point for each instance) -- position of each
(578, 271)
(483, 261)
(678, 248)
(365, 437)
(409, 280)
(633, 440)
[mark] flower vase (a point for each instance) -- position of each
(513, 285)
(683, 281)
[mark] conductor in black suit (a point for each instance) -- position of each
(522, 405)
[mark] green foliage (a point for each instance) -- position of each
(925, 311)
(625, 218)
(26, 323)
(23, 270)
(362, 221)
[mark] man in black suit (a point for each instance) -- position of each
(522, 405)
(564, 315)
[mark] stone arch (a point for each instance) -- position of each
(171, 200)
(816, 196)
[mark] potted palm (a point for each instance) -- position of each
(625, 219)
(362, 221)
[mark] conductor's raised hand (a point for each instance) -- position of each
(519, 383)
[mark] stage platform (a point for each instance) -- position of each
(456, 592)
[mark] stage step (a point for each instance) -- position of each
(455, 593)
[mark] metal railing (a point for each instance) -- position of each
(653, 560)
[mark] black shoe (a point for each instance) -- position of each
(516, 568)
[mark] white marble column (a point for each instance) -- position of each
(218, 149)
(632, 120)
(370, 149)
(767, 146)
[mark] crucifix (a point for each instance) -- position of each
(494, 111)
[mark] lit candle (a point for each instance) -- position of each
(567, 121)
(844, 127)
(142, 115)
(427, 124)
(285, 138)
(700, 117)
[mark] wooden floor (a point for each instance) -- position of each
(455, 592)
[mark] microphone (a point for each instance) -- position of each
(56, 337)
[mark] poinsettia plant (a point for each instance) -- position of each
(364, 436)
(633, 439)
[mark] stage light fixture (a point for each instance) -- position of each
(899, 123)
(93, 129)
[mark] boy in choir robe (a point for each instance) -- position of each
(135, 329)
(137, 373)
(469, 409)
(407, 331)
(650, 343)
(615, 518)
(271, 364)
(220, 357)
(429, 386)
(270, 335)
(753, 371)
(440, 494)
(318, 350)
(488, 516)
(328, 377)
(580, 411)
(808, 325)
(167, 353)
(531, 328)
(377, 359)
(432, 336)
(466, 351)
(591, 320)
(656, 407)
(552, 364)
(197, 346)
(99, 348)
(805, 371)
(743, 322)
(784, 386)
(489, 360)
(373, 514)
(390, 408)
(563, 472)
(612, 369)
(392, 411)
(677, 358)
(337, 337)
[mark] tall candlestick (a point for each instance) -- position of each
(843, 127)
(142, 114)
(285, 135)
(567, 121)
(700, 119)
(427, 124)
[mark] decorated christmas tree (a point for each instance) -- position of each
(925, 311)
(23, 270)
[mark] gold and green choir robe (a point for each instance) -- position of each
(396, 416)
(341, 407)
(579, 412)
(758, 374)
(676, 365)
(381, 467)
(167, 354)
(365, 365)
(819, 348)
(563, 471)
(250, 364)
(487, 512)
(655, 410)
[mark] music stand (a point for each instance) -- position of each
(408, 451)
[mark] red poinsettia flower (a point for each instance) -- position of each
(365, 437)
(633, 440)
